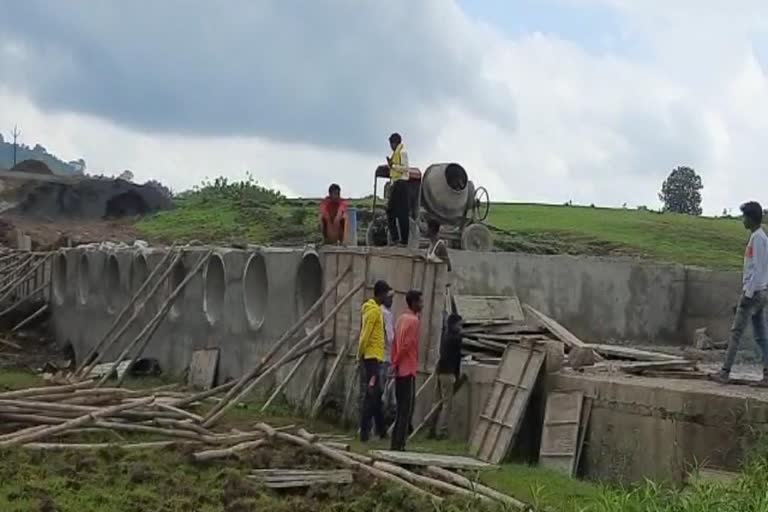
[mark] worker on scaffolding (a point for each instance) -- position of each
(398, 209)
(333, 216)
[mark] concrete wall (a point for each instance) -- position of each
(91, 287)
(661, 428)
(604, 299)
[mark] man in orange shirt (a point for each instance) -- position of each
(333, 216)
(404, 362)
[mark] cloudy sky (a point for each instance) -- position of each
(593, 101)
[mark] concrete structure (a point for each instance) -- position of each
(603, 299)
(245, 299)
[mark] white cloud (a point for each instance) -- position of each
(556, 122)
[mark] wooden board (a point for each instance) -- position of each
(500, 419)
(555, 328)
(586, 414)
(641, 366)
(291, 478)
(430, 459)
(489, 307)
(501, 328)
(631, 353)
(560, 434)
(202, 369)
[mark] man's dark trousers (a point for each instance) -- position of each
(398, 212)
(371, 408)
(405, 396)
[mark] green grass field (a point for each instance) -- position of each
(540, 229)
(702, 241)
(245, 212)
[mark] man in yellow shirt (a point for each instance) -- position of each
(370, 351)
(398, 207)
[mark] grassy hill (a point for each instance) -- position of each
(244, 212)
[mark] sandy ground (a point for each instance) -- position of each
(50, 233)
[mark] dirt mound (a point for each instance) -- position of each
(88, 199)
(32, 166)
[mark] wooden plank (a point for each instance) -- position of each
(506, 404)
(586, 414)
(501, 328)
(555, 328)
(630, 353)
(641, 366)
(330, 270)
(560, 435)
(430, 459)
(203, 368)
(286, 478)
(489, 307)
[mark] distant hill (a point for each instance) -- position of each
(38, 152)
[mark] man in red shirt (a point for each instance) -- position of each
(333, 216)
(404, 361)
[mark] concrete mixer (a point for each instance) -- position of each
(444, 193)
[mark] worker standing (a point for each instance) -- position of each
(333, 216)
(448, 375)
(751, 307)
(405, 358)
(371, 355)
(398, 207)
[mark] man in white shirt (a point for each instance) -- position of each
(389, 335)
(398, 207)
(754, 296)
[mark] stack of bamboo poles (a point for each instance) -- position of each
(24, 277)
(37, 419)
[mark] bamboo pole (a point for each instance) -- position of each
(30, 318)
(101, 446)
(49, 390)
(9, 289)
(457, 479)
(287, 358)
(24, 299)
(243, 381)
(25, 436)
(150, 329)
(134, 299)
(284, 382)
(13, 269)
(103, 346)
(426, 481)
(10, 344)
(228, 452)
(344, 460)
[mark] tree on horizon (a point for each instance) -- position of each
(681, 191)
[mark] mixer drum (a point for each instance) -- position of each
(446, 192)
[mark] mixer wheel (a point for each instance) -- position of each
(476, 237)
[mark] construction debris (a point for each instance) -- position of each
(431, 459)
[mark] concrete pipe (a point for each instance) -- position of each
(60, 278)
(255, 290)
(446, 192)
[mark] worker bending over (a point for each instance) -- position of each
(333, 216)
(371, 354)
(405, 359)
(398, 209)
(751, 307)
